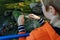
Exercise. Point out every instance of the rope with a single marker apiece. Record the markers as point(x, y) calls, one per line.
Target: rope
point(13, 36)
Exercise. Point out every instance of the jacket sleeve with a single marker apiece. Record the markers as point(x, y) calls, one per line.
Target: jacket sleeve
point(41, 21)
point(21, 30)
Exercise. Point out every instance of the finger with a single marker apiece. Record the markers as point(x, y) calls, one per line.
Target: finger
point(27, 16)
point(31, 15)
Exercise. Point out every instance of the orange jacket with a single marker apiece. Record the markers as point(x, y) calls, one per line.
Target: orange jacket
point(45, 32)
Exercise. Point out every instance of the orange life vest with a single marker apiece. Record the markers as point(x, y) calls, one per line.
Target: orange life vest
point(45, 32)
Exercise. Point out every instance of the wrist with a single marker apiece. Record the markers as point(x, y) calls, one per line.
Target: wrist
point(21, 28)
point(41, 21)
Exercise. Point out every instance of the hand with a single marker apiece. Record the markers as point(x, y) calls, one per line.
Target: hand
point(33, 16)
point(21, 20)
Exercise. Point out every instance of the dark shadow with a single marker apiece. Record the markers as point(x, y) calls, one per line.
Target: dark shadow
point(10, 1)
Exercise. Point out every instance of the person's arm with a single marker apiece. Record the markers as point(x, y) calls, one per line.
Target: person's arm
point(43, 7)
point(41, 22)
point(35, 17)
point(21, 29)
